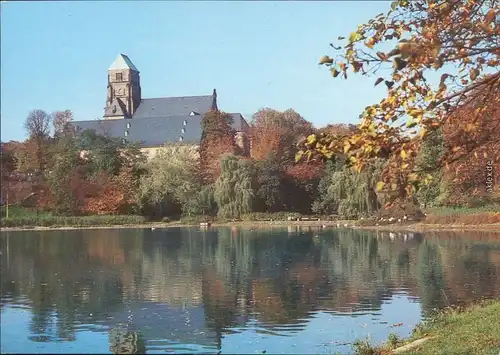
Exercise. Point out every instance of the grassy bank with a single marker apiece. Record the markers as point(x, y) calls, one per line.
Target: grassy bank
point(474, 329)
point(442, 219)
point(466, 216)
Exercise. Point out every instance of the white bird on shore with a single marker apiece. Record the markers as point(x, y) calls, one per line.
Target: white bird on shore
point(153, 228)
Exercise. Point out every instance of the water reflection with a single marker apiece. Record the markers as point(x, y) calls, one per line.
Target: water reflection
point(190, 290)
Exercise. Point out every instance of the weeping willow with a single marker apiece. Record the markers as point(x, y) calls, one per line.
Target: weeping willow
point(233, 189)
point(349, 193)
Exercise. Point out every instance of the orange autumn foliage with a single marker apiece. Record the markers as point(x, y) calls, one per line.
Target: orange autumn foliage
point(306, 171)
point(473, 143)
point(213, 151)
point(109, 195)
point(266, 140)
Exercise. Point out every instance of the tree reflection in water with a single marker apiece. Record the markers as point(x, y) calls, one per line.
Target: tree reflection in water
point(123, 340)
point(194, 286)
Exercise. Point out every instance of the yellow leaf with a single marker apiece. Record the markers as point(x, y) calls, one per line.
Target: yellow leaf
point(354, 36)
point(404, 155)
point(380, 185)
point(404, 166)
point(370, 42)
point(475, 154)
point(298, 155)
point(347, 146)
point(311, 139)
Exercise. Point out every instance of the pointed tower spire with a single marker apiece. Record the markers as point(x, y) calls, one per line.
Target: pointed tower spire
point(123, 62)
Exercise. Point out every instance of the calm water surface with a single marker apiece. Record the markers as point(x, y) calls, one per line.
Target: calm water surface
point(183, 290)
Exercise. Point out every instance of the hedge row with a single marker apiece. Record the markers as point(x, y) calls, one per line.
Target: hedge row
point(73, 221)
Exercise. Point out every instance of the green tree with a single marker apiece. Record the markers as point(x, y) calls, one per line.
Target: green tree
point(270, 174)
point(171, 180)
point(234, 192)
point(62, 176)
point(429, 160)
point(102, 153)
point(347, 192)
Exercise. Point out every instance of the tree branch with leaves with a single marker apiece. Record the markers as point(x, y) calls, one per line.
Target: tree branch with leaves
point(457, 40)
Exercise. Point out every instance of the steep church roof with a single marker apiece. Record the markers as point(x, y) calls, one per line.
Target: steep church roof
point(123, 62)
point(175, 106)
point(155, 131)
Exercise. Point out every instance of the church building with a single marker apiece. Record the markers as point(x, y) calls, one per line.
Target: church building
point(151, 123)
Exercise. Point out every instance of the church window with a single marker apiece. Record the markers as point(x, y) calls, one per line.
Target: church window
point(128, 125)
point(119, 76)
point(126, 133)
point(183, 130)
point(184, 123)
point(181, 139)
point(124, 141)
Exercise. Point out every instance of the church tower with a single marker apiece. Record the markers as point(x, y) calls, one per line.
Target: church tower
point(124, 89)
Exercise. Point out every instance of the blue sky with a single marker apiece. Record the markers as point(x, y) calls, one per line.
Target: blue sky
point(54, 55)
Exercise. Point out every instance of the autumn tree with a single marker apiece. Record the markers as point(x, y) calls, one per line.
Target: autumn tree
point(218, 138)
point(276, 132)
point(37, 125)
point(234, 192)
point(471, 143)
point(337, 129)
point(111, 194)
point(456, 41)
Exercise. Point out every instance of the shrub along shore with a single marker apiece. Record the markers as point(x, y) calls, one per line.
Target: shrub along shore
point(444, 219)
point(472, 329)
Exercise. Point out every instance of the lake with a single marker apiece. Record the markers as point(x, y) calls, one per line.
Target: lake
point(229, 290)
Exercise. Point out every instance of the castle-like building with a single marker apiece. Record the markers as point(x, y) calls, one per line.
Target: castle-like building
point(151, 123)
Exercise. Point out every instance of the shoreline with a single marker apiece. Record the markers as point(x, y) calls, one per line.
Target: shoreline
point(470, 329)
point(413, 227)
